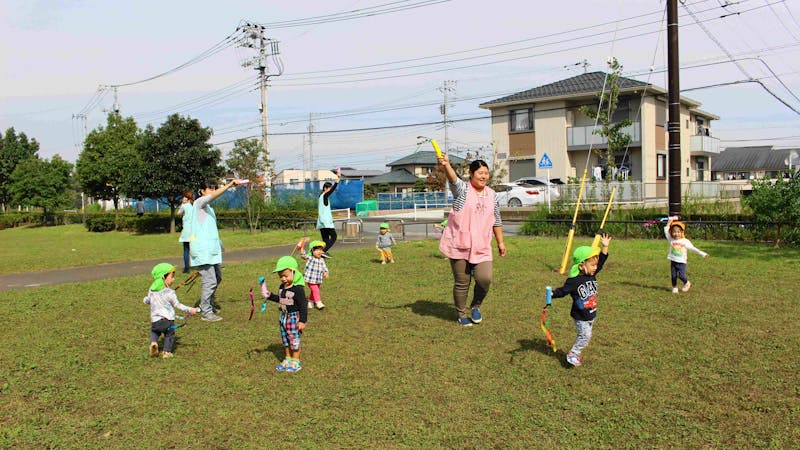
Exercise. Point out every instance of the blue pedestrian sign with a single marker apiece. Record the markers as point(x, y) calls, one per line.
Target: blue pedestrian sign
point(545, 162)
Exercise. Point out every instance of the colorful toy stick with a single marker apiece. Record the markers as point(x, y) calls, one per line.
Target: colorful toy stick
point(545, 320)
point(597, 236)
point(298, 246)
point(184, 317)
point(190, 281)
point(661, 219)
point(436, 148)
point(339, 172)
point(252, 304)
point(571, 235)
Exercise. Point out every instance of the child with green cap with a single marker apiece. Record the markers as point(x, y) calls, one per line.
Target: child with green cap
point(384, 243)
point(163, 301)
point(315, 271)
point(582, 286)
point(291, 297)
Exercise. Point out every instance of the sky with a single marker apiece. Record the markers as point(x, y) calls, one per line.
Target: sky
point(368, 75)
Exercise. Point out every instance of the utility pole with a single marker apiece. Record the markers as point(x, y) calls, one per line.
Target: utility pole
point(447, 87)
point(116, 100)
point(254, 38)
point(311, 144)
point(674, 121)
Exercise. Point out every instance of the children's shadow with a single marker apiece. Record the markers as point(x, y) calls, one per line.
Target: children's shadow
point(646, 286)
point(276, 349)
point(443, 311)
point(541, 346)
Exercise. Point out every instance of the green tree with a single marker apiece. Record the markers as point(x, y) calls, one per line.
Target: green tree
point(603, 112)
point(107, 156)
point(42, 183)
point(172, 159)
point(247, 159)
point(777, 202)
point(14, 149)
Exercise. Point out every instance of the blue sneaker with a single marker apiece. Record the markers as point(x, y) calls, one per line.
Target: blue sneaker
point(574, 359)
point(475, 315)
point(465, 322)
point(283, 366)
point(293, 367)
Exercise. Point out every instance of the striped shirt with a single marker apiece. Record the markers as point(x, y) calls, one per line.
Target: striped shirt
point(459, 189)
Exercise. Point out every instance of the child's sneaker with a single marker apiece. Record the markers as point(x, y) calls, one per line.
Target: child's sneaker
point(383, 261)
point(674, 290)
point(391, 261)
point(320, 305)
point(167, 355)
point(282, 366)
point(294, 366)
point(574, 359)
point(475, 315)
point(153, 349)
point(310, 305)
point(687, 286)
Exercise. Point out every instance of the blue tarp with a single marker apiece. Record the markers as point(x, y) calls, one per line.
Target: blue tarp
point(346, 195)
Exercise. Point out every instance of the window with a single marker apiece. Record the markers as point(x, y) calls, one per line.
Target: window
point(661, 167)
point(700, 167)
point(522, 120)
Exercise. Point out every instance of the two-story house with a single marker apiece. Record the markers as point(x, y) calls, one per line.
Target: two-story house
point(405, 171)
point(547, 119)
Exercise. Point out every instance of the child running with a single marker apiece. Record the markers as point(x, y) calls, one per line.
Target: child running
point(163, 301)
point(678, 252)
point(315, 271)
point(384, 243)
point(582, 286)
point(294, 311)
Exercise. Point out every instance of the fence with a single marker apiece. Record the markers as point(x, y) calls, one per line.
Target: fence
point(408, 200)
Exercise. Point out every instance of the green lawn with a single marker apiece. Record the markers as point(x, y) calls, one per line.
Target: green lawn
point(32, 249)
point(386, 366)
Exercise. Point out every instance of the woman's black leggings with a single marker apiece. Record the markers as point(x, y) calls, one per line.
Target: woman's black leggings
point(328, 236)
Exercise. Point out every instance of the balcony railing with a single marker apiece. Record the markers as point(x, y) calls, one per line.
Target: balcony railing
point(704, 144)
point(577, 136)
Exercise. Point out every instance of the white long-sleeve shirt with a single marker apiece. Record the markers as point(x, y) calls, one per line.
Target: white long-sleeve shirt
point(163, 303)
point(679, 248)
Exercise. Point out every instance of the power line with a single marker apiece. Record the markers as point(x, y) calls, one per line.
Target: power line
point(371, 11)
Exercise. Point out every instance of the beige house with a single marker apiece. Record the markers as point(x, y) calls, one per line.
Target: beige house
point(547, 119)
point(298, 175)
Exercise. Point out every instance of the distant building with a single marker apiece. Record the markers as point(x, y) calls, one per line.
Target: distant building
point(287, 176)
point(405, 171)
point(746, 163)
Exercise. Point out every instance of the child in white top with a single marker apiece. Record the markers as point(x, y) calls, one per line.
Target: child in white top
point(163, 301)
point(678, 252)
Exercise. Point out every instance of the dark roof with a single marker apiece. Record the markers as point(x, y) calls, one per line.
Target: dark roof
point(423, 157)
point(587, 83)
point(751, 158)
point(356, 173)
point(399, 176)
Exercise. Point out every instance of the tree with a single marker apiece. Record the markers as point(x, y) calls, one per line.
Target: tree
point(172, 159)
point(247, 159)
point(617, 139)
point(42, 183)
point(13, 150)
point(107, 156)
point(777, 202)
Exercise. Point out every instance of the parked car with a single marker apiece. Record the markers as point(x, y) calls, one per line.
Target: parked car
point(519, 194)
point(555, 194)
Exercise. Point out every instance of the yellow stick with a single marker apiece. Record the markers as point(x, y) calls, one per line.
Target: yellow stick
point(436, 148)
point(571, 234)
point(596, 241)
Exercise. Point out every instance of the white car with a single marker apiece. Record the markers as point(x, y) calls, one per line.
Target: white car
point(555, 194)
point(519, 194)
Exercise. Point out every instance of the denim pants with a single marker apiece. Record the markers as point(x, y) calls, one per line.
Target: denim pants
point(163, 327)
point(584, 328)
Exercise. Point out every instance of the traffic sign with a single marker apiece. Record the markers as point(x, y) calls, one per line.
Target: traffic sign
point(545, 162)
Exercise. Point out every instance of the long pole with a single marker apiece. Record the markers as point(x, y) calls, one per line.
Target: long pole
point(674, 123)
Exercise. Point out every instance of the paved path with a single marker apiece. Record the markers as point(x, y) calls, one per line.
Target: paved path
point(123, 269)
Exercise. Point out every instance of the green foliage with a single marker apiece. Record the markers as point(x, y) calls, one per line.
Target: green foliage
point(42, 183)
point(13, 150)
point(777, 202)
point(608, 100)
point(292, 202)
point(107, 157)
point(100, 223)
point(247, 159)
point(172, 159)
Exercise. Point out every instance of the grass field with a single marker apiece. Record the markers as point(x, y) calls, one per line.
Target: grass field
point(386, 366)
point(31, 249)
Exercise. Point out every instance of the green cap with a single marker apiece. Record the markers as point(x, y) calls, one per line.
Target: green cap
point(385, 225)
point(159, 272)
point(315, 244)
point(288, 262)
point(580, 255)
